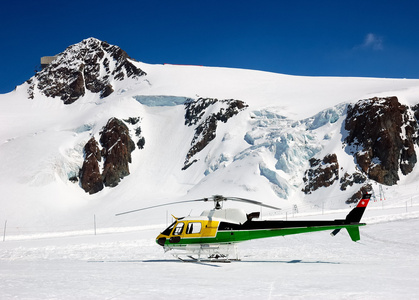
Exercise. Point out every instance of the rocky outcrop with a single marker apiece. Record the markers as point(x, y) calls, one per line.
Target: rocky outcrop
point(141, 139)
point(381, 136)
point(365, 189)
point(89, 65)
point(322, 173)
point(90, 177)
point(350, 179)
point(415, 110)
point(205, 113)
point(117, 147)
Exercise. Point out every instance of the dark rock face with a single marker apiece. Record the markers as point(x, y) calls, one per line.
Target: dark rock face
point(90, 177)
point(141, 139)
point(117, 147)
point(349, 179)
point(89, 65)
point(415, 110)
point(322, 173)
point(381, 136)
point(205, 130)
point(367, 188)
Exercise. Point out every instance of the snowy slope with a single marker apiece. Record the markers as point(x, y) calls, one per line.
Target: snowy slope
point(261, 153)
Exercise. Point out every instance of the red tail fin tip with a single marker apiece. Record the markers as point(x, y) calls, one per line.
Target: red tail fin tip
point(364, 201)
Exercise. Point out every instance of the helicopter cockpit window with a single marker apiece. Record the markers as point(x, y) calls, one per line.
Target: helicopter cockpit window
point(168, 230)
point(179, 228)
point(193, 227)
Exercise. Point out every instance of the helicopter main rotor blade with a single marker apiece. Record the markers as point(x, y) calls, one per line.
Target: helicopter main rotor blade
point(252, 202)
point(159, 205)
point(215, 198)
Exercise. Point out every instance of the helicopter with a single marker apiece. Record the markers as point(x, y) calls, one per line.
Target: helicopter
point(215, 233)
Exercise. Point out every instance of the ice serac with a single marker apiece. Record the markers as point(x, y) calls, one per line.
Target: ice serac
point(89, 65)
point(381, 134)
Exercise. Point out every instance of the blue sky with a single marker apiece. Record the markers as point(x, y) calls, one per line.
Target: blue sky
point(313, 38)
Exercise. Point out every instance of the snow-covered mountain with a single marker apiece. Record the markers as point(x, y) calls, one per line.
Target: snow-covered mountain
point(97, 132)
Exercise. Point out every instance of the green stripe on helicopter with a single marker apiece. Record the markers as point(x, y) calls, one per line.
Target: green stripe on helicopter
point(235, 236)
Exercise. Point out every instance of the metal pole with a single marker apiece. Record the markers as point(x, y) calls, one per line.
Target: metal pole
point(4, 232)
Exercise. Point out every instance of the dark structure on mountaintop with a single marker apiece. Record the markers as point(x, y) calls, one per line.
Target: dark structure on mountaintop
point(46, 60)
point(381, 137)
point(90, 65)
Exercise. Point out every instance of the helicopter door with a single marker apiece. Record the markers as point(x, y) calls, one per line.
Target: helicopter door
point(194, 228)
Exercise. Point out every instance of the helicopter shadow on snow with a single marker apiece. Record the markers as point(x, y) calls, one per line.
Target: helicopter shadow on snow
point(294, 261)
point(217, 264)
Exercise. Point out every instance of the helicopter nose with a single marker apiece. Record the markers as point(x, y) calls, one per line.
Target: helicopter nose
point(161, 241)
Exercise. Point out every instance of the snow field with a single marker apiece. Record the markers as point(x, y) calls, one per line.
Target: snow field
point(130, 265)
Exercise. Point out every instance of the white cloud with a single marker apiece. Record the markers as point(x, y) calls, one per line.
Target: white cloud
point(372, 41)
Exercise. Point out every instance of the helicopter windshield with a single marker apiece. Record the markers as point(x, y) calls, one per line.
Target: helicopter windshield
point(168, 230)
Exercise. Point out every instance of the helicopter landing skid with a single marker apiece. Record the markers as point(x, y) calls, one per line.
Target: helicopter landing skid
point(208, 253)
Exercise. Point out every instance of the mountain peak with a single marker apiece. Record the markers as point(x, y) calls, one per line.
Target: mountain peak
point(91, 65)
